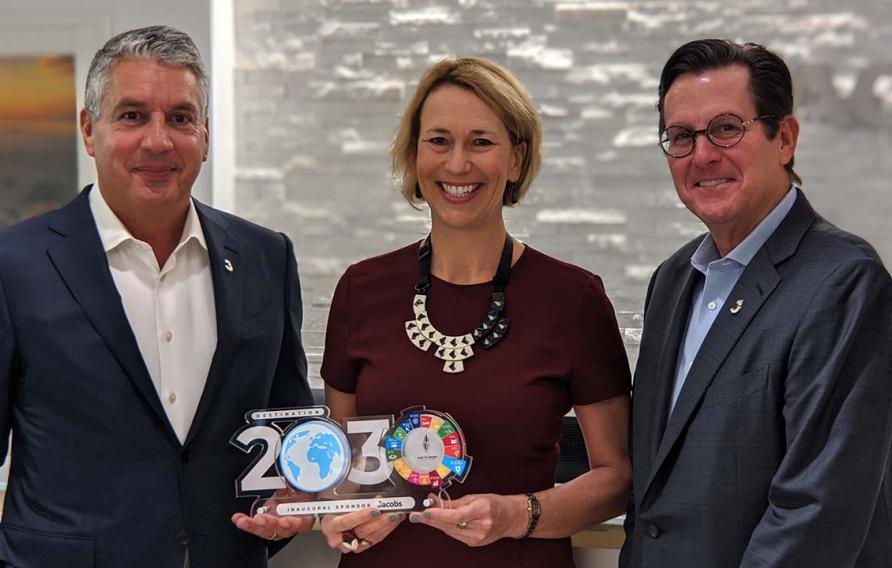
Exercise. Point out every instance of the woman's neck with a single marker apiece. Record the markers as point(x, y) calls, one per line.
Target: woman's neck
point(464, 256)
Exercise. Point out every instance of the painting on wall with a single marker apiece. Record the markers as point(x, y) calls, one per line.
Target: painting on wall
point(38, 129)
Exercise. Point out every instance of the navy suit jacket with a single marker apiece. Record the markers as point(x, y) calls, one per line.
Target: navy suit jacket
point(98, 478)
point(777, 453)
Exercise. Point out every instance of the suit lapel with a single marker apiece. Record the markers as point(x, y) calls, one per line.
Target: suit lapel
point(681, 298)
point(754, 287)
point(228, 276)
point(80, 260)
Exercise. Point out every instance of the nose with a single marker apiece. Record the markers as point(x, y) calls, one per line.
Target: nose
point(457, 162)
point(157, 139)
point(705, 152)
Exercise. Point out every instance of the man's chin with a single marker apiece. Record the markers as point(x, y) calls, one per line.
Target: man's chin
point(158, 195)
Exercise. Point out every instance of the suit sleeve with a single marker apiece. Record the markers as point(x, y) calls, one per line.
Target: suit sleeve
point(629, 524)
point(7, 375)
point(290, 387)
point(838, 421)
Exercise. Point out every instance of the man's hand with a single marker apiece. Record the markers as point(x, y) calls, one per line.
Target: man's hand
point(271, 526)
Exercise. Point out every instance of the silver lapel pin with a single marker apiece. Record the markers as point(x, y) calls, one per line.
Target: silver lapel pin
point(737, 307)
point(228, 265)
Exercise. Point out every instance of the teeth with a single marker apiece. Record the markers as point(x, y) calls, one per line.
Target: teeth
point(712, 182)
point(458, 190)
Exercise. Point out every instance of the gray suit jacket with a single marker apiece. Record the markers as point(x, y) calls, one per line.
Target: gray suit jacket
point(778, 450)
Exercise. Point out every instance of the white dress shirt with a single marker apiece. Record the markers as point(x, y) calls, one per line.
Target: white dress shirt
point(170, 308)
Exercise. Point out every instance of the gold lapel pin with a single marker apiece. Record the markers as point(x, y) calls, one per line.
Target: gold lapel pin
point(737, 307)
point(228, 265)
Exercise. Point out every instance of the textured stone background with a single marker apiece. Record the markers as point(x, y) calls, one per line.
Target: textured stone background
point(320, 85)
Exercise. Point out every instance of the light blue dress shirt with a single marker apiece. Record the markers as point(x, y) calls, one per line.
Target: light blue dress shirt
point(721, 274)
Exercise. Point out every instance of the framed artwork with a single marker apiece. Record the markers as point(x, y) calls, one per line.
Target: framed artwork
point(44, 59)
point(38, 126)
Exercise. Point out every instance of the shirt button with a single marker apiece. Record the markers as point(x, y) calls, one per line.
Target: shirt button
point(168, 336)
point(172, 397)
point(710, 305)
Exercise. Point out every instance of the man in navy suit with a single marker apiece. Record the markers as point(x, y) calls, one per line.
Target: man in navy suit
point(762, 404)
point(137, 326)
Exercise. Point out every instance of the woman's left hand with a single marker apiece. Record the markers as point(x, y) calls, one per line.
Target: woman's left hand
point(478, 520)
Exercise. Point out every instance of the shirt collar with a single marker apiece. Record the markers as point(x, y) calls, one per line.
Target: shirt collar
point(113, 233)
point(743, 253)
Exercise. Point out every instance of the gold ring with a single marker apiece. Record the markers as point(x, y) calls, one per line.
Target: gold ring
point(462, 525)
point(274, 536)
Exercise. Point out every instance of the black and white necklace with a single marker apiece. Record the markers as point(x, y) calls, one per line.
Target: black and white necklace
point(454, 349)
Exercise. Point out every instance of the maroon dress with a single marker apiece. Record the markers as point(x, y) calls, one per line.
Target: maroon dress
point(562, 349)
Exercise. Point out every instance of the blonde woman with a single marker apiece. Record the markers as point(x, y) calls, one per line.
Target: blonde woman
point(468, 145)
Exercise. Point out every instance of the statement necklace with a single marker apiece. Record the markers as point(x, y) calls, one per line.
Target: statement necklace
point(454, 349)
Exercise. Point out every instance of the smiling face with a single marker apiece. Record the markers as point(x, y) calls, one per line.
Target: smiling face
point(465, 157)
point(730, 189)
point(150, 139)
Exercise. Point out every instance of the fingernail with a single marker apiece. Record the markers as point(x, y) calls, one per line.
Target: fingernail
point(427, 514)
point(414, 518)
point(393, 517)
point(376, 513)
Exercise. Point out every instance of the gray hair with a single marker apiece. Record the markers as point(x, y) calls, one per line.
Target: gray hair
point(163, 44)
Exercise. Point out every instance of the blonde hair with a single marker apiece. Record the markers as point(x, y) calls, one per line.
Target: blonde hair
point(500, 91)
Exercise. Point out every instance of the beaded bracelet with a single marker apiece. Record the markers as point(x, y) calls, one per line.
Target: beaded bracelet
point(534, 510)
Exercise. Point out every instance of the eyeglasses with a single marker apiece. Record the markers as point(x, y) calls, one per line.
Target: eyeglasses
point(725, 130)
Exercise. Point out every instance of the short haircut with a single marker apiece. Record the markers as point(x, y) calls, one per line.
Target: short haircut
point(162, 44)
point(770, 83)
point(501, 92)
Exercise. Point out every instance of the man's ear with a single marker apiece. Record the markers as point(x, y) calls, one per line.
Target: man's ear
point(789, 136)
point(87, 131)
point(207, 139)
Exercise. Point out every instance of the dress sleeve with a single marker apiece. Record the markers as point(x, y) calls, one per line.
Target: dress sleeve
point(339, 370)
point(600, 365)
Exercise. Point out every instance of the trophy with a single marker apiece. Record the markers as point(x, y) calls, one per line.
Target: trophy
point(309, 464)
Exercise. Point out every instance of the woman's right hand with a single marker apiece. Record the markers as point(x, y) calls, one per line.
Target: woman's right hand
point(364, 528)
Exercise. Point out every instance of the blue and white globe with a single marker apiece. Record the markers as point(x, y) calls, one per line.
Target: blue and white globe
point(314, 456)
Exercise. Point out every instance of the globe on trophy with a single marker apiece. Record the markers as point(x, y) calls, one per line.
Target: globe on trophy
point(315, 456)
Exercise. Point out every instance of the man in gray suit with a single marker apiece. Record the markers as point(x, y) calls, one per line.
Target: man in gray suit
point(762, 406)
